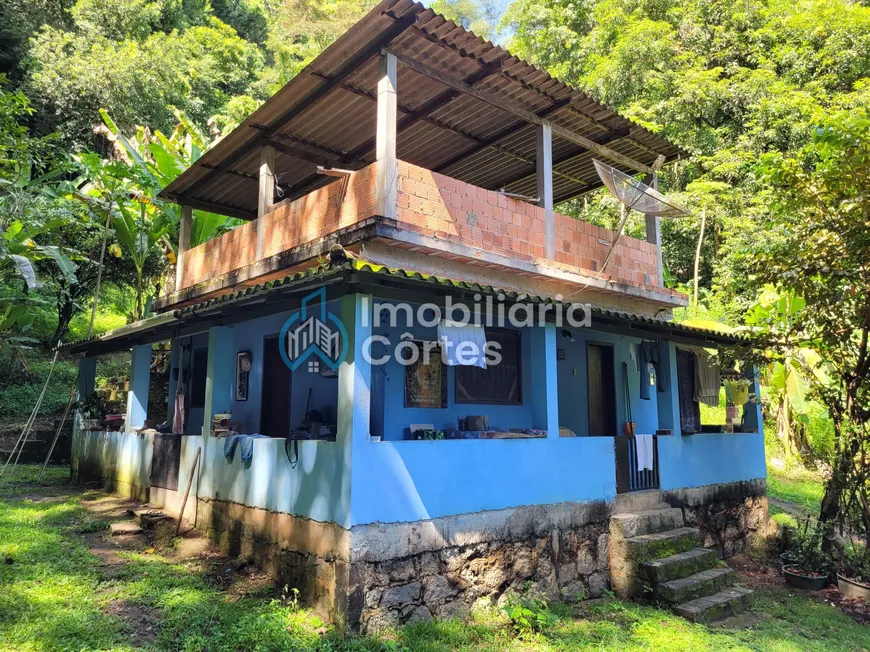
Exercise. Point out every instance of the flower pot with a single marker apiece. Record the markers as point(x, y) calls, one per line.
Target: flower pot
point(786, 558)
point(853, 589)
point(797, 580)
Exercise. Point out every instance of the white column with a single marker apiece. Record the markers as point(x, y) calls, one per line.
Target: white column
point(544, 175)
point(183, 244)
point(387, 167)
point(140, 379)
point(267, 193)
point(654, 235)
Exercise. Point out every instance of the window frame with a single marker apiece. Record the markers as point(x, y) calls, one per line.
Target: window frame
point(518, 336)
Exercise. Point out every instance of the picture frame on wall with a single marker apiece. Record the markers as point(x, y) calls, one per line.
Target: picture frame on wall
point(243, 370)
point(426, 384)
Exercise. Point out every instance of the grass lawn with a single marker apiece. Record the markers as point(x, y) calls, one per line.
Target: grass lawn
point(797, 486)
point(56, 595)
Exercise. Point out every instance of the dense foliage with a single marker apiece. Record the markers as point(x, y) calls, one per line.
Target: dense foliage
point(103, 102)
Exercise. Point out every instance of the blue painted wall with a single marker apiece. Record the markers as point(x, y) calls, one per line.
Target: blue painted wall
point(573, 385)
point(249, 336)
point(389, 382)
point(412, 480)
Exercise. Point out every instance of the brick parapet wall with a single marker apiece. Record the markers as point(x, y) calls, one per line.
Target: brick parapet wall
point(435, 206)
point(441, 207)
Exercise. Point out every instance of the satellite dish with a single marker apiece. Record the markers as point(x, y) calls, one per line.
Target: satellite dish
point(636, 195)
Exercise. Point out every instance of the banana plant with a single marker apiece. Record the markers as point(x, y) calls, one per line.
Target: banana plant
point(790, 368)
point(158, 159)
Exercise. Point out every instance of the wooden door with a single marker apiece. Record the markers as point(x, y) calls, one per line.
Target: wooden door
point(602, 390)
point(275, 407)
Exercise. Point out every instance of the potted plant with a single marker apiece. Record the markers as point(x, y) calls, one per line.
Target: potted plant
point(93, 410)
point(853, 577)
point(811, 566)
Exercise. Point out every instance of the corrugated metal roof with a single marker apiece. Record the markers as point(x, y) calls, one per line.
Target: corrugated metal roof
point(327, 114)
point(360, 272)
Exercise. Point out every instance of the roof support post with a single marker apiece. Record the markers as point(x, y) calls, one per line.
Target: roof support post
point(387, 167)
point(545, 386)
point(183, 244)
point(654, 234)
point(219, 375)
point(140, 379)
point(85, 384)
point(267, 193)
point(544, 176)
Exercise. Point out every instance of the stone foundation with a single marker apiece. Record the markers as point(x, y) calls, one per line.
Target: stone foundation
point(450, 563)
point(732, 517)
point(298, 552)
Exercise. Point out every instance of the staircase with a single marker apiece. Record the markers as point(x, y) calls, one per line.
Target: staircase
point(654, 556)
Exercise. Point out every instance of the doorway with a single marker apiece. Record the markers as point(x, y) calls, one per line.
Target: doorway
point(275, 406)
point(602, 390)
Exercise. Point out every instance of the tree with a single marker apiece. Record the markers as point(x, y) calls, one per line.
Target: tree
point(822, 253)
point(728, 82)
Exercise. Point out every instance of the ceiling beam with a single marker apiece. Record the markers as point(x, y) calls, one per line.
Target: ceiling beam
point(501, 135)
point(603, 140)
point(528, 116)
point(431, 105)
point(213, 207)
point(350, 66)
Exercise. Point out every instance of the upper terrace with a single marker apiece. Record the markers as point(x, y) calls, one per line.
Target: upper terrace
point(420, 124)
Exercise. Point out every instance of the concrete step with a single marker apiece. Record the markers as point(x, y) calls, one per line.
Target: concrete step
point(629, 525)
point(638, 501)
point(699, 585)
point(711, 608)
point(661, 544)
point(125, 528)
point(675, 567)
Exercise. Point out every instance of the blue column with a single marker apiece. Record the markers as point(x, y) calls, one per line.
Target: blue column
point(544, 389)
point(220, 374)
point(668, 401)
point(752, 417)
point(140, 378)
point(85, 383)
point(174, 364)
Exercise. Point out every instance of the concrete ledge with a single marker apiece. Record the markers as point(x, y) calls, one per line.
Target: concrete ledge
point(385, 541)
point(711, 493)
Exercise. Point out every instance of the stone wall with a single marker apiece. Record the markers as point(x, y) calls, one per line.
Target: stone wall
point(298, 552)
point(561, 551)
point(732, 517)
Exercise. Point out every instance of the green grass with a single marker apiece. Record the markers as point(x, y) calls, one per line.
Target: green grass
point(797, 486)
point(56, 596)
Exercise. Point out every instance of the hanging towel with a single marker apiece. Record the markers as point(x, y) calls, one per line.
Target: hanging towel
point(178, 414)
point(245, 444)
point(707, 381)
point(649, 354)
point(690, 413)
point(452, 334)
point(644, 452)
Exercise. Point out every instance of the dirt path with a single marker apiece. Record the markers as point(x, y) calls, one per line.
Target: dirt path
point(791, 508)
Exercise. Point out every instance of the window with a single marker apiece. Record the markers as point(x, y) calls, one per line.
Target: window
point(499, 384)
point(200, 372)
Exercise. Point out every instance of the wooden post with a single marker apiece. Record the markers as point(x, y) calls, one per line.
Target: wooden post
point(387, 167)
point(544, 174)
point(267, 193)
point(183, 244)
point(654, 234)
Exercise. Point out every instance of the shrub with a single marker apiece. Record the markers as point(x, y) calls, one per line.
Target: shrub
point(529, 612)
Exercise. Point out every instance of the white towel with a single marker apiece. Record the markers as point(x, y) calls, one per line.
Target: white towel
point(644, 452)
point(452, 334)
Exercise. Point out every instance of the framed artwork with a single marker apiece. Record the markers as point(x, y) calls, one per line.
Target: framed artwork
point(426, 384)
point(243, 369)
